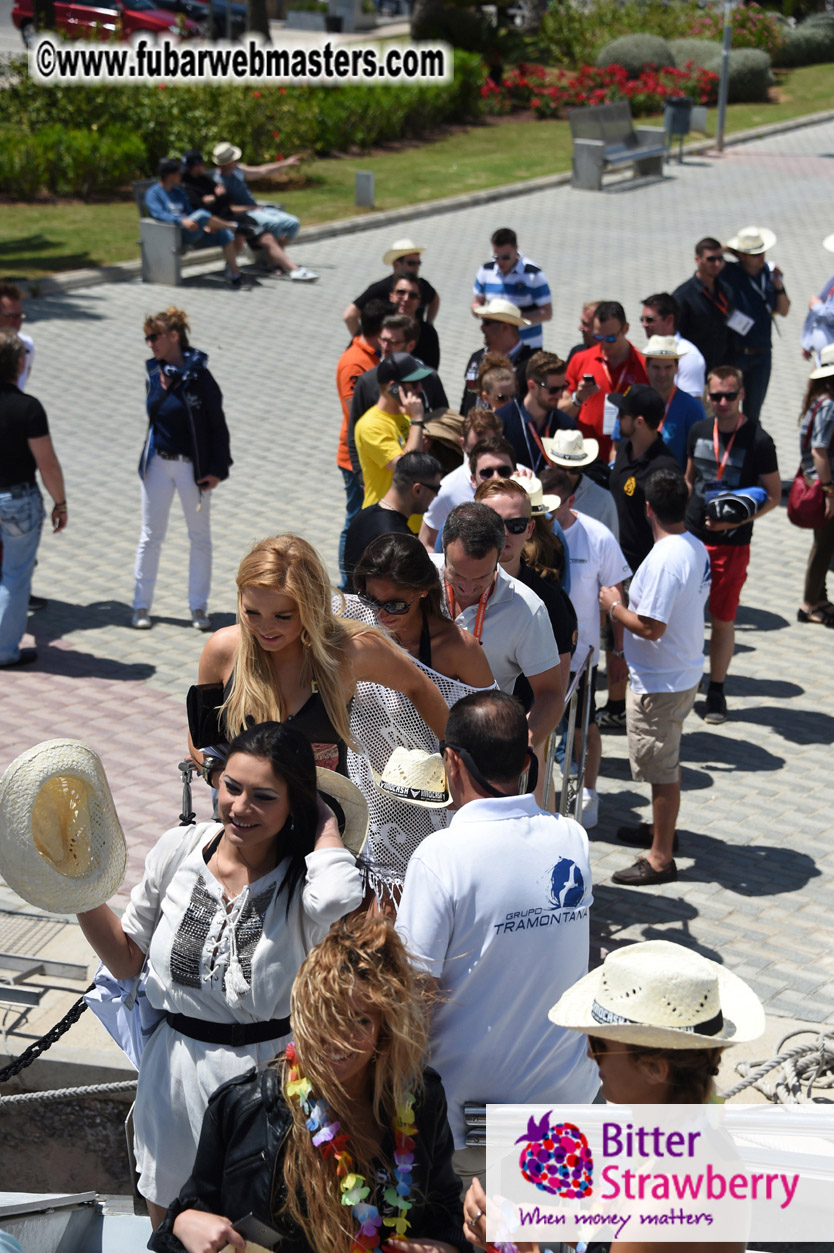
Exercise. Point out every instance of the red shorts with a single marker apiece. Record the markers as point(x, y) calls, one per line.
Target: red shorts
point(728, 568)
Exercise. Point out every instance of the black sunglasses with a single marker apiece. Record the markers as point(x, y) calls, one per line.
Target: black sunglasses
point(431, 487)
point(487, 472)
point(728, 396)
point(515, 526)
point(396, 608)
point(412, 265)
point(153, 337)
point(554, 391)
point(505, 396)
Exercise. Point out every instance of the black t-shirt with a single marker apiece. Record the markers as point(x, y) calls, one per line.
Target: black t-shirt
point(382, 291)
point(473, 365)
point(22, 418)
point(627, 484)
point(562, 619)
point(753, 454)
point(366, 526)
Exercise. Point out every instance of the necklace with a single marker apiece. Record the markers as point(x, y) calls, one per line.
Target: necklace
point(328, 1140)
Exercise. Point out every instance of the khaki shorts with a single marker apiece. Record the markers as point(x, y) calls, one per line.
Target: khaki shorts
point(654, 723)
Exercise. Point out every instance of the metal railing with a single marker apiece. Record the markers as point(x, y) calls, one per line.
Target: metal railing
point(571, 702)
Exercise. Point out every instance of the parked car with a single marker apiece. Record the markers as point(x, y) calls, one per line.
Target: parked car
point(198, 10)
point(212, 17)
point(105, 19)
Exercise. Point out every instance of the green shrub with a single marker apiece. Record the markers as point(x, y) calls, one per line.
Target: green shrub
point(750, 75)
point(21, 172)
point(698, 51)
point(810, 43)
point(634, 52)
point(752, 27)
point(574, 34)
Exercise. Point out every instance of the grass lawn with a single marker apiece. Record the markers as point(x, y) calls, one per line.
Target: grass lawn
point(38, 240)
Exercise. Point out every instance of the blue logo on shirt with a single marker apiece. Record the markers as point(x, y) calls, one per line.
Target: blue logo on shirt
point(567, 886)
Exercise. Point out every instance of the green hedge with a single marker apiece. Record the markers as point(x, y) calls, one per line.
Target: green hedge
point(809, 43)
point(634, 53)
point(699, 51)
point(69, 162)
point(750, 72)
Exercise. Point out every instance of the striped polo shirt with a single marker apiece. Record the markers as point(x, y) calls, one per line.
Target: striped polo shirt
point(525, 285)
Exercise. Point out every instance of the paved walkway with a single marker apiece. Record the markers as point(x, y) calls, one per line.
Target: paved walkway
point(755, 867)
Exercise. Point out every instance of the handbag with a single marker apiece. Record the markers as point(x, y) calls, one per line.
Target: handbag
point(806, 501)
point(202, 706)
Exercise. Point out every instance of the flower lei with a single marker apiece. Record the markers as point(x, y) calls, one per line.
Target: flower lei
point(327, 1138)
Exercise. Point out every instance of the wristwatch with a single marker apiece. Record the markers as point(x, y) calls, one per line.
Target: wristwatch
point(576, 400)
point(208, 766)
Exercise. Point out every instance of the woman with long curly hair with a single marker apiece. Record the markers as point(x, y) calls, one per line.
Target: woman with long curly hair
point(343, 1141)
point(816, 448)
point(290, 658)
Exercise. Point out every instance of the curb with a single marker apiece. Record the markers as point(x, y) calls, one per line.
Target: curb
point(74, 280)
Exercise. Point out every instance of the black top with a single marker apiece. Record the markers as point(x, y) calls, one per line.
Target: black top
point(428, 346)
point(627, 484)
point(753, 454)
point(520, 429)
point(562, 619)
point(366, 394)
point(757, 297)
point(382, 291)
point(473, 365)
point(366, 526)
point(703, 319)
point(22, 418)
point(238, 1167)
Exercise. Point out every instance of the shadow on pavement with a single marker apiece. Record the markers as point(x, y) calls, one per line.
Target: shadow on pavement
point(69, 306)
point(777, 689)
point(746, 869)
point(64, 660)
point(760, 619)
point(722, 754)
point(801, 726)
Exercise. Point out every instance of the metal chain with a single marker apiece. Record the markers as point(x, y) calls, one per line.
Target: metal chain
point(67, 1094)
point(46, 1041)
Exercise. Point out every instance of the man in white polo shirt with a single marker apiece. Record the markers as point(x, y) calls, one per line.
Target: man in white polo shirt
point(509, 620)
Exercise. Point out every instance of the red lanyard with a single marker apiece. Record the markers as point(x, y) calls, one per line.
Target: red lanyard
point(532, 429)
point(478, 628)
point(666, 413)
point(719, 300)
point(623, 372)
point(721, 466)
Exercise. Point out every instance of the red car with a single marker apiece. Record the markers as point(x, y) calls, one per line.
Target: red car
point(104, 19)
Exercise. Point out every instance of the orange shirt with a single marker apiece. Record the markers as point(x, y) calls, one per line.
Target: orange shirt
point(355, 360)
point(592, 419)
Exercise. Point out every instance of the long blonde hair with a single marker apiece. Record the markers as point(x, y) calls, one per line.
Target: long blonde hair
point(288, 564)
point(364, 957)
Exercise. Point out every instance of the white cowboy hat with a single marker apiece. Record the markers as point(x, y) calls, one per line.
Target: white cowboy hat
point(661, 995)
point(500, 310)
point(665, 346)
point(825, 368)
point(415, 777)
point(828, 243)
point(342, 795)
point(225, 153)
point(61, 845)
point(539, 503)
point(752, 240)
point(570, 449)
point(401, 248)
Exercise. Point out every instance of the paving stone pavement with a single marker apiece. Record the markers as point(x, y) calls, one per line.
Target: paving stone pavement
point(755, 867)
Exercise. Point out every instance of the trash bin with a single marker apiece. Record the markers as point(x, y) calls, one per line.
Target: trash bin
point(677, 119)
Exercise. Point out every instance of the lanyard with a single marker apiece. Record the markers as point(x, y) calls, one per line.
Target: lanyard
point(719, 299)
point(478, 628)
point(542, 454)
point(666, 413)
point(720, 467)
point(622, 374)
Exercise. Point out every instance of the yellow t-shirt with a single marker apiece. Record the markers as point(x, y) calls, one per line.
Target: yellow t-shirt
point(380, 437)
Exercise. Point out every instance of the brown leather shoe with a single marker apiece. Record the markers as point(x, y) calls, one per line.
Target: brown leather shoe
point(642, 873)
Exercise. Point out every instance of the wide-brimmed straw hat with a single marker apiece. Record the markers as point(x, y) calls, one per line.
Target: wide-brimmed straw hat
point(500, 310)
point(416, 777)
point(826, 364)
point(61, 845)
point(401, 248)
point(828, 243)
point(661, 995)
point(752, 240)
point(539, 503)
point(349, 806)
point(664, 347)
point(446, 427)
point(570, 449)
point(224, 153)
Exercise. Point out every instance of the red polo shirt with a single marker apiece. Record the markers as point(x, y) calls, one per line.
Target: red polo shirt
point(592, 419)
point(354, 361)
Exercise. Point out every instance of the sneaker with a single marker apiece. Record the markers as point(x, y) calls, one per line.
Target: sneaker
point(200, 620)
point(642, 874)
point(235, 281)
point(716, 710)
point(609, 721)
point(141, 620)
point(641, 837)
point(303, 275)
point(37, 602)
point(590, 808)
point(25, 657)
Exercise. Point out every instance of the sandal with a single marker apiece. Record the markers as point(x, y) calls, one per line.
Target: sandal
point(821, 615)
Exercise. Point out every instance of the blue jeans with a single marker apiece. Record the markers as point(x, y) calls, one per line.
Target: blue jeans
point(205, 238)
point(279, 224)
point(355, 495)
point(21, 521)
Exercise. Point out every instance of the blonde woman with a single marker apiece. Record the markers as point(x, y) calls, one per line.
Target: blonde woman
point(290, 659)
point(345, 1138)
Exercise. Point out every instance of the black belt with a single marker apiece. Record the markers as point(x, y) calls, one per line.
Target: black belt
point(19, 489)
point(172, 456)
point(235, 1034)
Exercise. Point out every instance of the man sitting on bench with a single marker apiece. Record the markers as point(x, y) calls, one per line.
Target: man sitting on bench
point(167, 202)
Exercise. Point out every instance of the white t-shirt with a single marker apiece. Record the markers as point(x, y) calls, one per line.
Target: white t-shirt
point(671, 586)
point(692, 369)
point(597, 502)
point(517, 637)
point(496, 908)
point(596, 560)
point(455, 489)
point(29, 345)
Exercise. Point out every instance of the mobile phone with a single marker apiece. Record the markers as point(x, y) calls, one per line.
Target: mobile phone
point(587, 378)
point(251, 1228)
point(394, 389)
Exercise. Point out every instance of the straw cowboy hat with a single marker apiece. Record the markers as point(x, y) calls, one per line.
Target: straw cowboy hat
point(570, 449)
point(500, 310)
point(828, 243)
point(225, 153)
point(401, 248)
point(752, 239)
point(539, 503)
point(664, 347)
point(826, 364)
point(61, 845)
point(661, 995)
point(445, 426)
point(349, 806)
point(415, 777)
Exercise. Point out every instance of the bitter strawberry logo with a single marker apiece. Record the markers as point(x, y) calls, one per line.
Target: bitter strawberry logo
point(557, 1158)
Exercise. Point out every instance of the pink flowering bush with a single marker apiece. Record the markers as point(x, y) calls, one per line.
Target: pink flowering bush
point(753, 27)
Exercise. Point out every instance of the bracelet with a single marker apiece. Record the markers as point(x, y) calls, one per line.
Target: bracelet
point(576, 401)
point(418, 422)
point(60, 504)
point(618, 652)
point(827, 489)
point(611, 610)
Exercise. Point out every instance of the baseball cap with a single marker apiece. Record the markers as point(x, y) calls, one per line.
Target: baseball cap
point(640, 402)
point(401, 367)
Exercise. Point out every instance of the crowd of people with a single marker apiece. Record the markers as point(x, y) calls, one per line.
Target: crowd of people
point(382, 886)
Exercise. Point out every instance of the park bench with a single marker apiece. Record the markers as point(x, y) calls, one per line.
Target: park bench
point(605, 136)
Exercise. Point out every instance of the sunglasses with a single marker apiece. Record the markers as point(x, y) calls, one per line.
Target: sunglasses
point(396, 608)
point(515, 526)
point(503, 471)
point(716, 397)
point(497, 256)
point(554, 391)
point(505, 396)
point(406, 295)
point(431, 487)
point(153, 337)
point(648, 321)
point(606, 339)
point(716, 260)
point(412, 265)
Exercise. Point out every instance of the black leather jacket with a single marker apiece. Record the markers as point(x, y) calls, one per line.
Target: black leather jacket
point(238, 1165)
